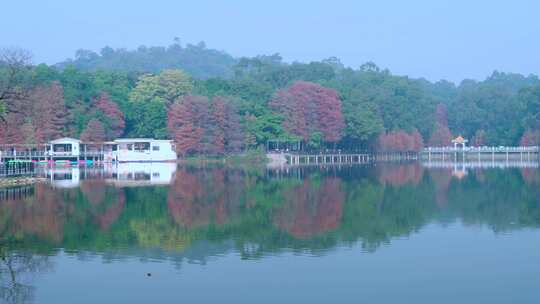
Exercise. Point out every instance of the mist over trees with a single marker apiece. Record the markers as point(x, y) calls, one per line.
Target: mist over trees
point(156, 92)
point(197, 60)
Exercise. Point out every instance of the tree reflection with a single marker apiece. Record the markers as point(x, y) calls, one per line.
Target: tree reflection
point(263, 212)
point(311, 208)
point(107, 202)
point(42, 214)
point(204, 197)
point(441, 178)
point(17, 269)
point(400, 174)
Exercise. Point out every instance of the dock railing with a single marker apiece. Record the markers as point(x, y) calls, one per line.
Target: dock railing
point(501, 149)
point(17, 169)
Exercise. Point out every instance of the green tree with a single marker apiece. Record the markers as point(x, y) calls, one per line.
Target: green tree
point(147, 119)
point(361, 123)
point(530, 97)
point(165, 87)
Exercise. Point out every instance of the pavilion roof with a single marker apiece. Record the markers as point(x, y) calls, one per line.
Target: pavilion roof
point(459, 140)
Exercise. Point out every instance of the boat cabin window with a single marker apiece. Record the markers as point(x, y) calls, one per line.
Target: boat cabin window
point(141, 176)
point(62, 176)
point(142, 146)
point(155, 148)
point(125, 147)
point(62, 147)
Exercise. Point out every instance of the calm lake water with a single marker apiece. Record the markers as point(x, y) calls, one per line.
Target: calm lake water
point(384, 233)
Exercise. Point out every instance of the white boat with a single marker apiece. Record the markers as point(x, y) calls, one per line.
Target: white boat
point(64, 147)
point(142, 150)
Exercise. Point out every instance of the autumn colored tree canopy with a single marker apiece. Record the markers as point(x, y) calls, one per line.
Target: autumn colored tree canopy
point(94, 132)
point(309, 108)
point(441, 136)
point(243, 105)
point(112, 116)
point(208, 127)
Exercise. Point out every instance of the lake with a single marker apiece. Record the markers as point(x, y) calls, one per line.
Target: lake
point(377, 233)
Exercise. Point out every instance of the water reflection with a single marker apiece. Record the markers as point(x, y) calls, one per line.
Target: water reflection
point(17, 269)
point(178, 214)
point(121, 175)
point(227, 203)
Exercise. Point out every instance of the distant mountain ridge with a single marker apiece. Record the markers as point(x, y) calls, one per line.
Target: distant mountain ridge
point(199, 61)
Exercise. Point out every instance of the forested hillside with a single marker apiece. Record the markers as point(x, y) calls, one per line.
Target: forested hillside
point(216, 104)
point(197, 60)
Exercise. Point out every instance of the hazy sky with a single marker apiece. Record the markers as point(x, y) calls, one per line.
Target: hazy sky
point(432, 38)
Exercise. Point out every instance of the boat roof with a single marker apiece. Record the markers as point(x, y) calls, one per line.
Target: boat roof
point(131, 140)
point(65, 139)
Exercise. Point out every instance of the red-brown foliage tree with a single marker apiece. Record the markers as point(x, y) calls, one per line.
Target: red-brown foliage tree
point(114, 118)
point(530, 138)
point(94, 131)
point(441, 136)
point(198, 126)
point(49, 112)
point(185, 123)
point(42, 113)
point(220, 120)
point(308, 108)
point(11, 133)
point(400, 141)
point(228, 121)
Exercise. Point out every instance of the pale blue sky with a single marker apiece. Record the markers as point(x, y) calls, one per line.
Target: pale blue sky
point(422, 38)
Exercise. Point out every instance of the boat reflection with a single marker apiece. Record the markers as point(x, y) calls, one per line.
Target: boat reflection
point(140, 174)
point(63, 177)
point(120, 175)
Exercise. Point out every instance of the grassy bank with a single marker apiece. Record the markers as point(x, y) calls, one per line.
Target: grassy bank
point(249, 158)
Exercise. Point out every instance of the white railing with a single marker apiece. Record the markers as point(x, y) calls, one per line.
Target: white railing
point(480, 164)
point(42, 154)
point(501, 149)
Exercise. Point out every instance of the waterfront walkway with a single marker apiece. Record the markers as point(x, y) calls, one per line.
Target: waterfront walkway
point(480, 153)
point(308, 159)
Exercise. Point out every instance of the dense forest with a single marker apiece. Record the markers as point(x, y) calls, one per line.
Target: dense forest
point(212, 103)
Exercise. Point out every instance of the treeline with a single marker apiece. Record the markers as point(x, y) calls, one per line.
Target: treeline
point(322, 104)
